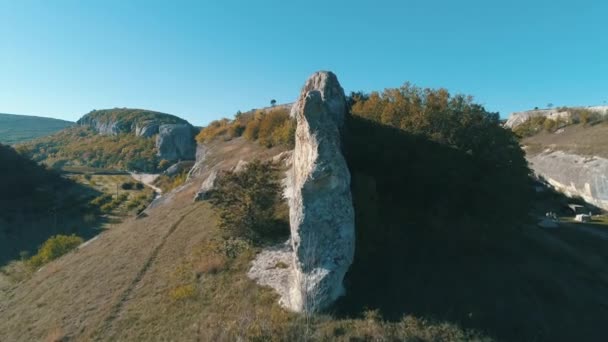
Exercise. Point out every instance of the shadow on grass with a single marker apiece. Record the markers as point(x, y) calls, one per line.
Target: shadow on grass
point(439, 236)
point(38, 203)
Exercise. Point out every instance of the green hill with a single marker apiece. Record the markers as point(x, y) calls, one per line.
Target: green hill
point(119, 138)
point(20, 128)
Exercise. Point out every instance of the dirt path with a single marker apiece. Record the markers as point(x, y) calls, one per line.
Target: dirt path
point(148, 179)
point(123, 298)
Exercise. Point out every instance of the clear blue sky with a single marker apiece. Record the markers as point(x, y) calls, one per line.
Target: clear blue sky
point(206, 59)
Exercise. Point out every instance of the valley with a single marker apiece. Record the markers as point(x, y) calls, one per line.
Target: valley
point(447, 248)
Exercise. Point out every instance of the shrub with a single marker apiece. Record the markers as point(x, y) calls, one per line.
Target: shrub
point(101, 200)
point(213, 130)
point(248, 202)
point(53, 248)
point(163, 165)
point(213, 263)
point(168, 183)
point(126, 186)
point(251, 130)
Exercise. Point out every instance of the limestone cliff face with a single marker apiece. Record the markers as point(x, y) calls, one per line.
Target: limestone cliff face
point(574, 175)
point(175, 142)
point(320, 203)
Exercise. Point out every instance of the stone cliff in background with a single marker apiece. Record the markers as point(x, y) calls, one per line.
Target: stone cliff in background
point(518, 118)
point(174, 136)
point(322, 243)
point(574, 175)
point(175, 142)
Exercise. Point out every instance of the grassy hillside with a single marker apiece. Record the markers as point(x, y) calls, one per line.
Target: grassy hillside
point(581, 139)
point(16, 129)
point(173, 276)
point(444, 249)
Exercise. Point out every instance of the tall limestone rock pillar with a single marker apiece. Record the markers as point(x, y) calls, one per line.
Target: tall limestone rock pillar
point(318, 190)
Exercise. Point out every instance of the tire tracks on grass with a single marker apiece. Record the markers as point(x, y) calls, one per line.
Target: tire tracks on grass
point(123, 298)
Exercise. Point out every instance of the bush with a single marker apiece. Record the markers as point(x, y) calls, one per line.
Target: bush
point(272, 128)
point(101, 200)
point(127, 186)
point(53, 248)
point(249, 202)
point(167, 183)
point(163, 165)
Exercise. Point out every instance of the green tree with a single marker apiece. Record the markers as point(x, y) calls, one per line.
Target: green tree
point(248, 202)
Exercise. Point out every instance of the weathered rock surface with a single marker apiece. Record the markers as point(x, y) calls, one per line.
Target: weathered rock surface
point(206, 187)
point(146, 129)
point(574, 175)
point(320, 204)
point(179, 167)
point(322, 243)
point(175, 142)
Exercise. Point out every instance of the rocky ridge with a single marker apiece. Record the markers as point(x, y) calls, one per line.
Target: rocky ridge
point(518, 118)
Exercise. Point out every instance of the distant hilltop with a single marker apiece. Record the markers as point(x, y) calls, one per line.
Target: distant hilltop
point(142, 122)
point(16, 129)
point(518, 118)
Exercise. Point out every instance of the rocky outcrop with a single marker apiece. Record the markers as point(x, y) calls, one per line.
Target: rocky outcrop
point(322, 243)
point(518, 118)
point(206, 187)
point(574, 175)
point(174, 136)
point(320, 204)
point(175, 142)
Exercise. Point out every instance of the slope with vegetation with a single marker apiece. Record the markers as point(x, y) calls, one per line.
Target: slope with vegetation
point(123, 139)
point(441, 193)
point(16, 129)
point(269, 127)
point(83, 146)
point(37, 203)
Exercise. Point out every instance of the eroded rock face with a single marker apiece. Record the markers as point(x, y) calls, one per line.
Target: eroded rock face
point(146, 129)
point(320, 203)
point(175, 142)
point(574, 175)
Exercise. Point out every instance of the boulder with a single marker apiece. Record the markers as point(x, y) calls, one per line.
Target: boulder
point(240, 166)
point(179, 167)
point(320, 204)
point(175, 142)
point(206, 187)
